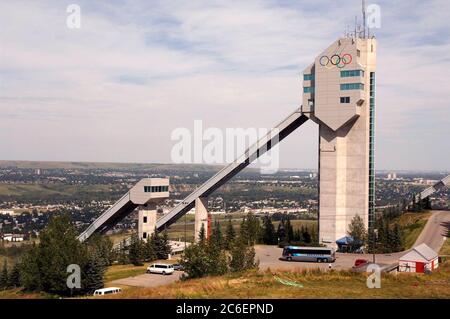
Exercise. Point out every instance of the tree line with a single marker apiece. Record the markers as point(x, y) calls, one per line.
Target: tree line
point(285, 233)
point(138, 251)
point(221, 253)
point(44, 266)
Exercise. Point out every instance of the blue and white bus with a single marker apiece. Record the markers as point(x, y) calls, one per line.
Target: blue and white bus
point(312, 254)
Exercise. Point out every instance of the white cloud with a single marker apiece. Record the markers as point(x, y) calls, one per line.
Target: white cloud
point(115, 89)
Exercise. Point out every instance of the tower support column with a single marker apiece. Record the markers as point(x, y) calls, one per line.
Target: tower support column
point(146, 221)
point(201, 216)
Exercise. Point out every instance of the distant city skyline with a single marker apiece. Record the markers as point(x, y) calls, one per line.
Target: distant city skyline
point(115, 89)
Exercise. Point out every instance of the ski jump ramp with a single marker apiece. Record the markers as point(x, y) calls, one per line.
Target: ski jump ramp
point(137, 196)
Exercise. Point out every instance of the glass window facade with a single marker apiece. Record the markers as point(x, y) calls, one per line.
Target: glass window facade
point(372, 152)
point(352, 86)
point(156, 189)
point(308, 89)
point(345, 99)
point(350, 73)
point(308, 77)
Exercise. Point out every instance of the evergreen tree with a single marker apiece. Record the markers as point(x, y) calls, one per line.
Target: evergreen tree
point(253, 228)
point(269, 236)
point(163, 249)
point(195, 261)
point(404, 206)
point(29, 269)
point(216, 258)
point(427, 203)
point(4, 276)
point(230, 234)
point(297, 235)
point(357, 231)
point(306, 236)
point(58, 248)
point(281, 232)
point(216, 236)
point(202, 234)
point(419, 203)
point(101, 246)
point(397, 239)
point(93, 274)
point(14, 277)
point(150, 249)
point(242, 255)
point(244, 232)
point(289, 231)
point(123, 253)
point(135, 251)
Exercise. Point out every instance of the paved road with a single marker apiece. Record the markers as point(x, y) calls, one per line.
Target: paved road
point(435, 230)
point(268, 256)
point(432, 235)
point(148, 280)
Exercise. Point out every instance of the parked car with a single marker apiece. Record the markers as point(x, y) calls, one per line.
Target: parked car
point(107, 291)
point(178, 267)
point(163, 269)
point(360, 262)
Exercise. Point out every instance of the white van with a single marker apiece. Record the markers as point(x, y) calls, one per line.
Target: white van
point(164, 269)
point(107, 291)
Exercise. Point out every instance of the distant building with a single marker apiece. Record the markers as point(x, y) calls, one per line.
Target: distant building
point(177, 247)
point(219, 212)
point(13, 237)
point(7, 212)
point(419, 260)
point(392, 176)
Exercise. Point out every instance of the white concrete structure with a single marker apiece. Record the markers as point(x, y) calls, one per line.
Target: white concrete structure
point(147, 221)
point(339, 95)
point(419, 260)
point(201, 217)
point(146, 191)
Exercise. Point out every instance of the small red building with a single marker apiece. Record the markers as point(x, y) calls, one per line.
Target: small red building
point(419, 259)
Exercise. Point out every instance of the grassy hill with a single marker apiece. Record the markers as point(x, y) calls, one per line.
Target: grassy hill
point(412, 225)
point(105, 165)
point(307, 284)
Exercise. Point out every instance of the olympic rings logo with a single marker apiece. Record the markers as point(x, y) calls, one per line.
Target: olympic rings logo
point(335, 60)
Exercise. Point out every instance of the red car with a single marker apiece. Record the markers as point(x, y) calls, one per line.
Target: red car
point(360, 262)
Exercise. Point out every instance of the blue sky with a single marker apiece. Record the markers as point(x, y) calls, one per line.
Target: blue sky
point(116, 88)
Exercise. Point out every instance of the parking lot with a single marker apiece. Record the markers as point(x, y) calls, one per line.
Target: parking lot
point(148, 280)
point(268, 257)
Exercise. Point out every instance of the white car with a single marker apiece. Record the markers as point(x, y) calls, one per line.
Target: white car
point(163, 269)
point(107, 291)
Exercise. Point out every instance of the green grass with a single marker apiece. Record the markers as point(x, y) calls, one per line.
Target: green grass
point(445, 249)
point(316, 284)
point(50, 191)
point(116, 272)
point(412, 225)
point(106, 165)
point(123, 271)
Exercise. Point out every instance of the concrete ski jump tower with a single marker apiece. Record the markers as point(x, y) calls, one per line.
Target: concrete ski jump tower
point(339, 95)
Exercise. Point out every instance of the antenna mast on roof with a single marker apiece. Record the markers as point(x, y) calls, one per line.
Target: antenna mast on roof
point(364, 17)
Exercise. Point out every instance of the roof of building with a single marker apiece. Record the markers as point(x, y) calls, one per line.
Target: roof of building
point(346, 240)
point(420, 253)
